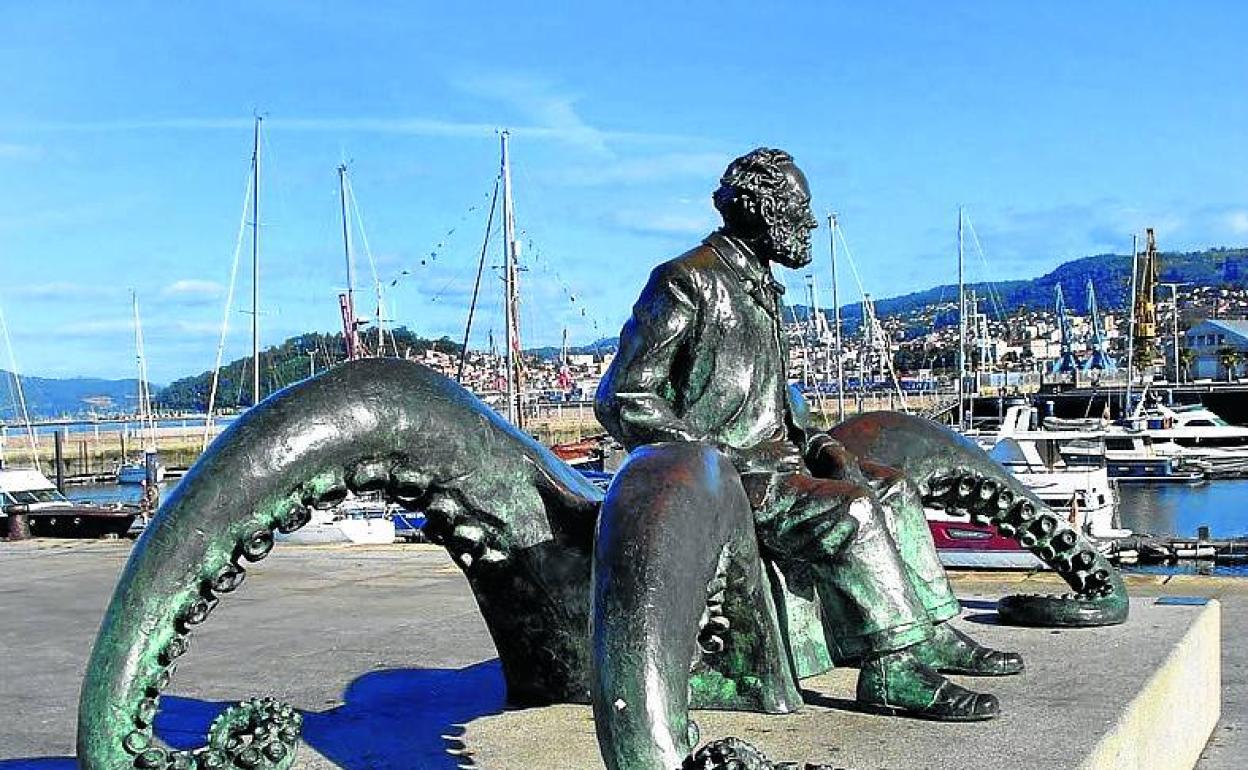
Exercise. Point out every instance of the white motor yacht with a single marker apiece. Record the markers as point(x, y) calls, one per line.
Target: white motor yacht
point(1193, 434)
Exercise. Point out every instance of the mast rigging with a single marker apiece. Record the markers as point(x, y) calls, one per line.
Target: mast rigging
point(255, 267)
point(511, 248)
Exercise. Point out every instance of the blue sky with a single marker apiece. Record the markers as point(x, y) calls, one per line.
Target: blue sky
point(125, 136)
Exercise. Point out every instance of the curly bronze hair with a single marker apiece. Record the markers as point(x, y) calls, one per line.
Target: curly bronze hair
point(758, 176)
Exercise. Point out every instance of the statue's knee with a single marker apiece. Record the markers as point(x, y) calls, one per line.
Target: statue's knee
point(693, 461)
point(678, 480)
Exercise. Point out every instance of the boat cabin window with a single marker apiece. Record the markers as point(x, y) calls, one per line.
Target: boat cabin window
point(1119, 443)
point(34, 496)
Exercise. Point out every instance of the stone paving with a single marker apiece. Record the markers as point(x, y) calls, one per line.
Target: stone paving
point(381, 646)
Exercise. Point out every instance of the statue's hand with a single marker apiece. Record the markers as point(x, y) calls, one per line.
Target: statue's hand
point(779, 456)
point(829, 459)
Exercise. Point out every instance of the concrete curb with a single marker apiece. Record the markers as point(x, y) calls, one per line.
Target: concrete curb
point(1167, 724)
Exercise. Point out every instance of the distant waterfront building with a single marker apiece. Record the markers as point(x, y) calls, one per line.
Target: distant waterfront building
point(1210, 341)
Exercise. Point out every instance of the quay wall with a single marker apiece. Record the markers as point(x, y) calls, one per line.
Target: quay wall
point(98, 452)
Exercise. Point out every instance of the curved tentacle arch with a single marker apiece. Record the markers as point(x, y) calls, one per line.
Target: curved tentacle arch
point(507, 510)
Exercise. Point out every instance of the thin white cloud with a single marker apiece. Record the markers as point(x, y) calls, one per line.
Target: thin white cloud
point(191, 287)
point(412, 125)
point(683, 218)
point(60, 290)
point(197, 328)
point(97, 327)
point(545, 111)
point(540, 101)
point(1237, 221)
point(20, 151)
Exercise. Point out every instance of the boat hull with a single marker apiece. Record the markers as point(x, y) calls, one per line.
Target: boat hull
point(77, 522)
point(963, 544)
point(323, 530)
point(1160, 470)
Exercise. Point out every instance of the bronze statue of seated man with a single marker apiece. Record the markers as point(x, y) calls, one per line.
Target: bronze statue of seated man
point(704, 358)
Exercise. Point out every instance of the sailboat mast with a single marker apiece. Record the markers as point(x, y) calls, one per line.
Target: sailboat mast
point(21, 395)
point(514, 411)
point(961, 330)
point(138, 359)
point(836, 321)
point(1174, 341)
point(255, 267)
point(349, 310)
point(1135, 253)
point(147, 424)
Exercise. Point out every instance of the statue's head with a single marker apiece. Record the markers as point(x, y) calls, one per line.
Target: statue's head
point(764, 199)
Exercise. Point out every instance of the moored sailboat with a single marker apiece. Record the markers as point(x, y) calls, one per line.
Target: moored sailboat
point(148, 469)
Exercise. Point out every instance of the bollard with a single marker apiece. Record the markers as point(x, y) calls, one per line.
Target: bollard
point(58, 442)
point(19, 526)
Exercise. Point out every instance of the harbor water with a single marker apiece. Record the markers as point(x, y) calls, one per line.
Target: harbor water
point(73, 428)
point(1180, 510)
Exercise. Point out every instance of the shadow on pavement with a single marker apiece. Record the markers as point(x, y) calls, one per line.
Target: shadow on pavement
point(394, 718)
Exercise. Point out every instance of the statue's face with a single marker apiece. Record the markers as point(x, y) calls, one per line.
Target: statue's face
point(789, 222)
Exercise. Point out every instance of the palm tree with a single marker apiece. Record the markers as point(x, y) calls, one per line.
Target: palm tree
point(1187, 357)
point(1227, 358)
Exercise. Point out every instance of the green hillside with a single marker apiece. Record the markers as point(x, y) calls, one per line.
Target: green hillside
point(1110, 274)
point(280, 366)
point(50, 398)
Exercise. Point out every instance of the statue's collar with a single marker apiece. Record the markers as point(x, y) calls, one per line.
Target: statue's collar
point(742, 262)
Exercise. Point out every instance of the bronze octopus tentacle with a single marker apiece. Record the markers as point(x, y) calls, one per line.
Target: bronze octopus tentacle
point(505, 508)
point(951, 472)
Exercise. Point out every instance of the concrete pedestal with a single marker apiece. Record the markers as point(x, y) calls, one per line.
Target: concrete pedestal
point(1142, 695)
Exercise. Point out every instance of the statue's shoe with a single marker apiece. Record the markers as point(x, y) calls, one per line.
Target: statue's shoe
point(950, 651)
point(899, 683)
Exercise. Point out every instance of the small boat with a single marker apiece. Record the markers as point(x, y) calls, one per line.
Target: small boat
point(1133, 458)
point(1195, 435)
point(409, 526)
point(355, 521)
point(50, 514)
point(136, 472)
point(585, 454)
